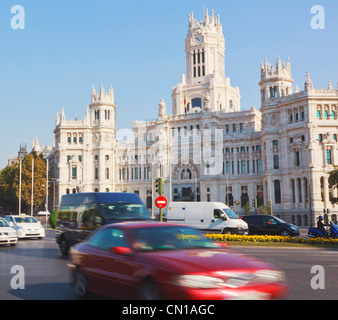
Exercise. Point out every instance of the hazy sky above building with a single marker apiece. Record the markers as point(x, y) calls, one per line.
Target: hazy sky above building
point(138, 47)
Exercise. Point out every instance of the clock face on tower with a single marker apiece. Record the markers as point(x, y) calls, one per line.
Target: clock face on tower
point(198, 39)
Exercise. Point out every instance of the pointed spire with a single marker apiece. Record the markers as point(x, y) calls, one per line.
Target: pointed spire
point(63, 116)
point(36, 141)
point(288, 65)
point(308, 83)
point(86, 117)
point(278, 64)
point(57, 120)
point(206, 20)
point(101, 91)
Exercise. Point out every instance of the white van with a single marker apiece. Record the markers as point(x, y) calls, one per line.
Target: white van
point(207, 216)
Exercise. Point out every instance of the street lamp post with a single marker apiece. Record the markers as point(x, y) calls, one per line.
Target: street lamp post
point(307, 145)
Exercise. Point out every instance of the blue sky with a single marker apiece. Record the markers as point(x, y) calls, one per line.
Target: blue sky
point(138, 47)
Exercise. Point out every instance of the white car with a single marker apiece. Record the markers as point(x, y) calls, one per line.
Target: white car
point(8, 234)
point(26, 226)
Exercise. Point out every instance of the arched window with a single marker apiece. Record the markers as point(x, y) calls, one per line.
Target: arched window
point(196, 103)
point(325, 114)
point(319, 115)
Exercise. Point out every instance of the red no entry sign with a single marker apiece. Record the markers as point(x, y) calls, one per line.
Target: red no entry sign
point(161, 202)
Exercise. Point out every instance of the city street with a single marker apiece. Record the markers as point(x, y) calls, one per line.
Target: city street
point(47, 277)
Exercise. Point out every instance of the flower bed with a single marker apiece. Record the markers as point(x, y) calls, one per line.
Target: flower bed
point(268, 239)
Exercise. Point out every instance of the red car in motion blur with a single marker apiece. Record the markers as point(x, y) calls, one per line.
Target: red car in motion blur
point(155, 260)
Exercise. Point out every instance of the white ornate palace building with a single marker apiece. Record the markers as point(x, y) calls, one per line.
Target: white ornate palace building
point(207, 149)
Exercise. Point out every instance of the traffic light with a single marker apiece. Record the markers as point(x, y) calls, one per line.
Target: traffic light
point(254, 203)
point(159, 186)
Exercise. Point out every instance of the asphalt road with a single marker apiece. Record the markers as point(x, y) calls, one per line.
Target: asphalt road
point(46, 275)
point(297, 263)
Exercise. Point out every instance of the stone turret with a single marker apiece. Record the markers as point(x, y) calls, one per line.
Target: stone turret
point(276, 81)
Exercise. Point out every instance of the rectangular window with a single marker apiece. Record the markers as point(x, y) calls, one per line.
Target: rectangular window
point(275, 162)
point(297, 158)
point(328, 157)
point(243, 167)
point(228, 167)
point(74, 173)
point(277, 191)
point(259, 166)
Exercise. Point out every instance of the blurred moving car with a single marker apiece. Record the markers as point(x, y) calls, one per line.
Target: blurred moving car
point(270, 225)
point(8, 235)
point(81, 213)
point(26, 226)
point(155, 260)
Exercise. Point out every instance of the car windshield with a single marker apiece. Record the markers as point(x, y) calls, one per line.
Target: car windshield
point(279, 220)
point(149, 239)
point(25, 220)
point(123, 211)
point(230, 213)
point(3, 223)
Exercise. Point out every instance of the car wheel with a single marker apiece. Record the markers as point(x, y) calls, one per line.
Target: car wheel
point(285, 233)
point(64, 247)
point(148, 291)
point(227, 231)
point(80, 284)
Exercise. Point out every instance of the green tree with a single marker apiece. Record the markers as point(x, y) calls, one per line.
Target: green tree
point(268, 210)
point(8, 182)
point(247, 208)
point(333, 181)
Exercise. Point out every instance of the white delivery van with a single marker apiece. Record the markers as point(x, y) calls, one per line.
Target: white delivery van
point(207, 216)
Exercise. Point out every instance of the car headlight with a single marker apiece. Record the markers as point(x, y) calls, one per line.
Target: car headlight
point(294, 228)
point(197, 281)
point(269, 276)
